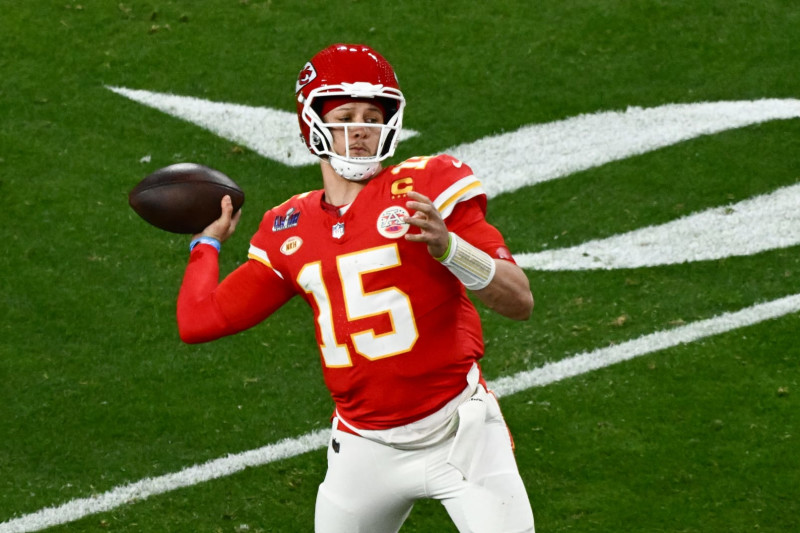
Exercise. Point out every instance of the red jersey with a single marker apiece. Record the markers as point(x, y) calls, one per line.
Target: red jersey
point(396, 331)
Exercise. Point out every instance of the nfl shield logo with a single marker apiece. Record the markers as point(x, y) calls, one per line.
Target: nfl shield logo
point(338, 230)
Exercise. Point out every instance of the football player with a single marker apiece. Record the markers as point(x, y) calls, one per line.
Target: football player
point(384, 257)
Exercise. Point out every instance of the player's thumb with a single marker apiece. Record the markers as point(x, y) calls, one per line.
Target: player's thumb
point(228, 219)
point(227, 206)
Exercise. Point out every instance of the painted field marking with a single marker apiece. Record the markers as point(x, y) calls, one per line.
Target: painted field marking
point(291, 447)
point(758, 224)
point(653, 342)
point(505, 162)
point(271, 133)
point(542, 152)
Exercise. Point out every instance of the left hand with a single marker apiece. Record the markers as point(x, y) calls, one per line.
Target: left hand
point(432, 229)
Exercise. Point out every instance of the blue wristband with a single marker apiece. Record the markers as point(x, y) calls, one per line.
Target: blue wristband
point(205, 240)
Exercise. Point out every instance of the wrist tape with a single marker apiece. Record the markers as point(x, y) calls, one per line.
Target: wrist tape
point(472, 266)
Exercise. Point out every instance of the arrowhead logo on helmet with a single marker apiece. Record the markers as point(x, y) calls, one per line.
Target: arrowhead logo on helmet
point(307, 75)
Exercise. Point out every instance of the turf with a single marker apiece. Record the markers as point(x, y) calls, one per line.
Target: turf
point(98, 390)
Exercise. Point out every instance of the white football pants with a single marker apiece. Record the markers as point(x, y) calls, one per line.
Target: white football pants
point(371, 487)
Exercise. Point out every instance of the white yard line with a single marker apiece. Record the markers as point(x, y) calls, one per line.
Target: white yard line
point(542, 152)
point(758, 224)
point(660, 340)
point(284, 449)
point(271, 133)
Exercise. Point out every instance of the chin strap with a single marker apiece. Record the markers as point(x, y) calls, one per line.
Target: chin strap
point(472, 266)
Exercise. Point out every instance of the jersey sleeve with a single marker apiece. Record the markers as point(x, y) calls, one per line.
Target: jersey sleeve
point(451, 182)
point(208, 310)
point(459, 197)
point(468, 221)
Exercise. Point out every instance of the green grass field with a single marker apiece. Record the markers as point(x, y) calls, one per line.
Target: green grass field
point(98, 391)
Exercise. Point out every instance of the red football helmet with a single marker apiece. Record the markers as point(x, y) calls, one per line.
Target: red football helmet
point(354, 71)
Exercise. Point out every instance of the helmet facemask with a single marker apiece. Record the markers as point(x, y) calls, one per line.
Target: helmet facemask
point(321, 136)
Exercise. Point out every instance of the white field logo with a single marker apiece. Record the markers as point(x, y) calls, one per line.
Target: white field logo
point(538, 153)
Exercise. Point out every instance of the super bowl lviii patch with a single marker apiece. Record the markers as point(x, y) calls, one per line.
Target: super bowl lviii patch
point(289, 220)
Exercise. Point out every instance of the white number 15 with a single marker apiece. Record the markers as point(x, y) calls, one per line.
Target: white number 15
point(361, 304)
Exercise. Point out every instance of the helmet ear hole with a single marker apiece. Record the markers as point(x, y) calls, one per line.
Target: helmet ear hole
point(316, 142)
point(321, 139)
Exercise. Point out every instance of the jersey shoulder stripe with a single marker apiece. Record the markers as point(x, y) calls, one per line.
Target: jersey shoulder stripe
point(261, 256)
point(464, 189)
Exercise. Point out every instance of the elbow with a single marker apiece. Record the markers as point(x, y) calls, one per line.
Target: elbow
point(186, 333)
point(192, 332)
point(517, 307)
point(187, 339)
point(194, 326)
point(524, 308)
point(512, 296)
point(188, 336)
point(195, 329)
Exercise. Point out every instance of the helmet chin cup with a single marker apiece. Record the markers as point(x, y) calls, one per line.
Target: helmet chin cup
point(354, 170)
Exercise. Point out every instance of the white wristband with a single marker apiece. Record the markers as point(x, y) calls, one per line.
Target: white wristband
point(472, 266)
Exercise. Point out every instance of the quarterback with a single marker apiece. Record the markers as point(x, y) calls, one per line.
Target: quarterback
point(384, 256)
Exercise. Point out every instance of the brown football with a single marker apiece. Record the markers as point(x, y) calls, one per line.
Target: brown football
point(184, 198)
